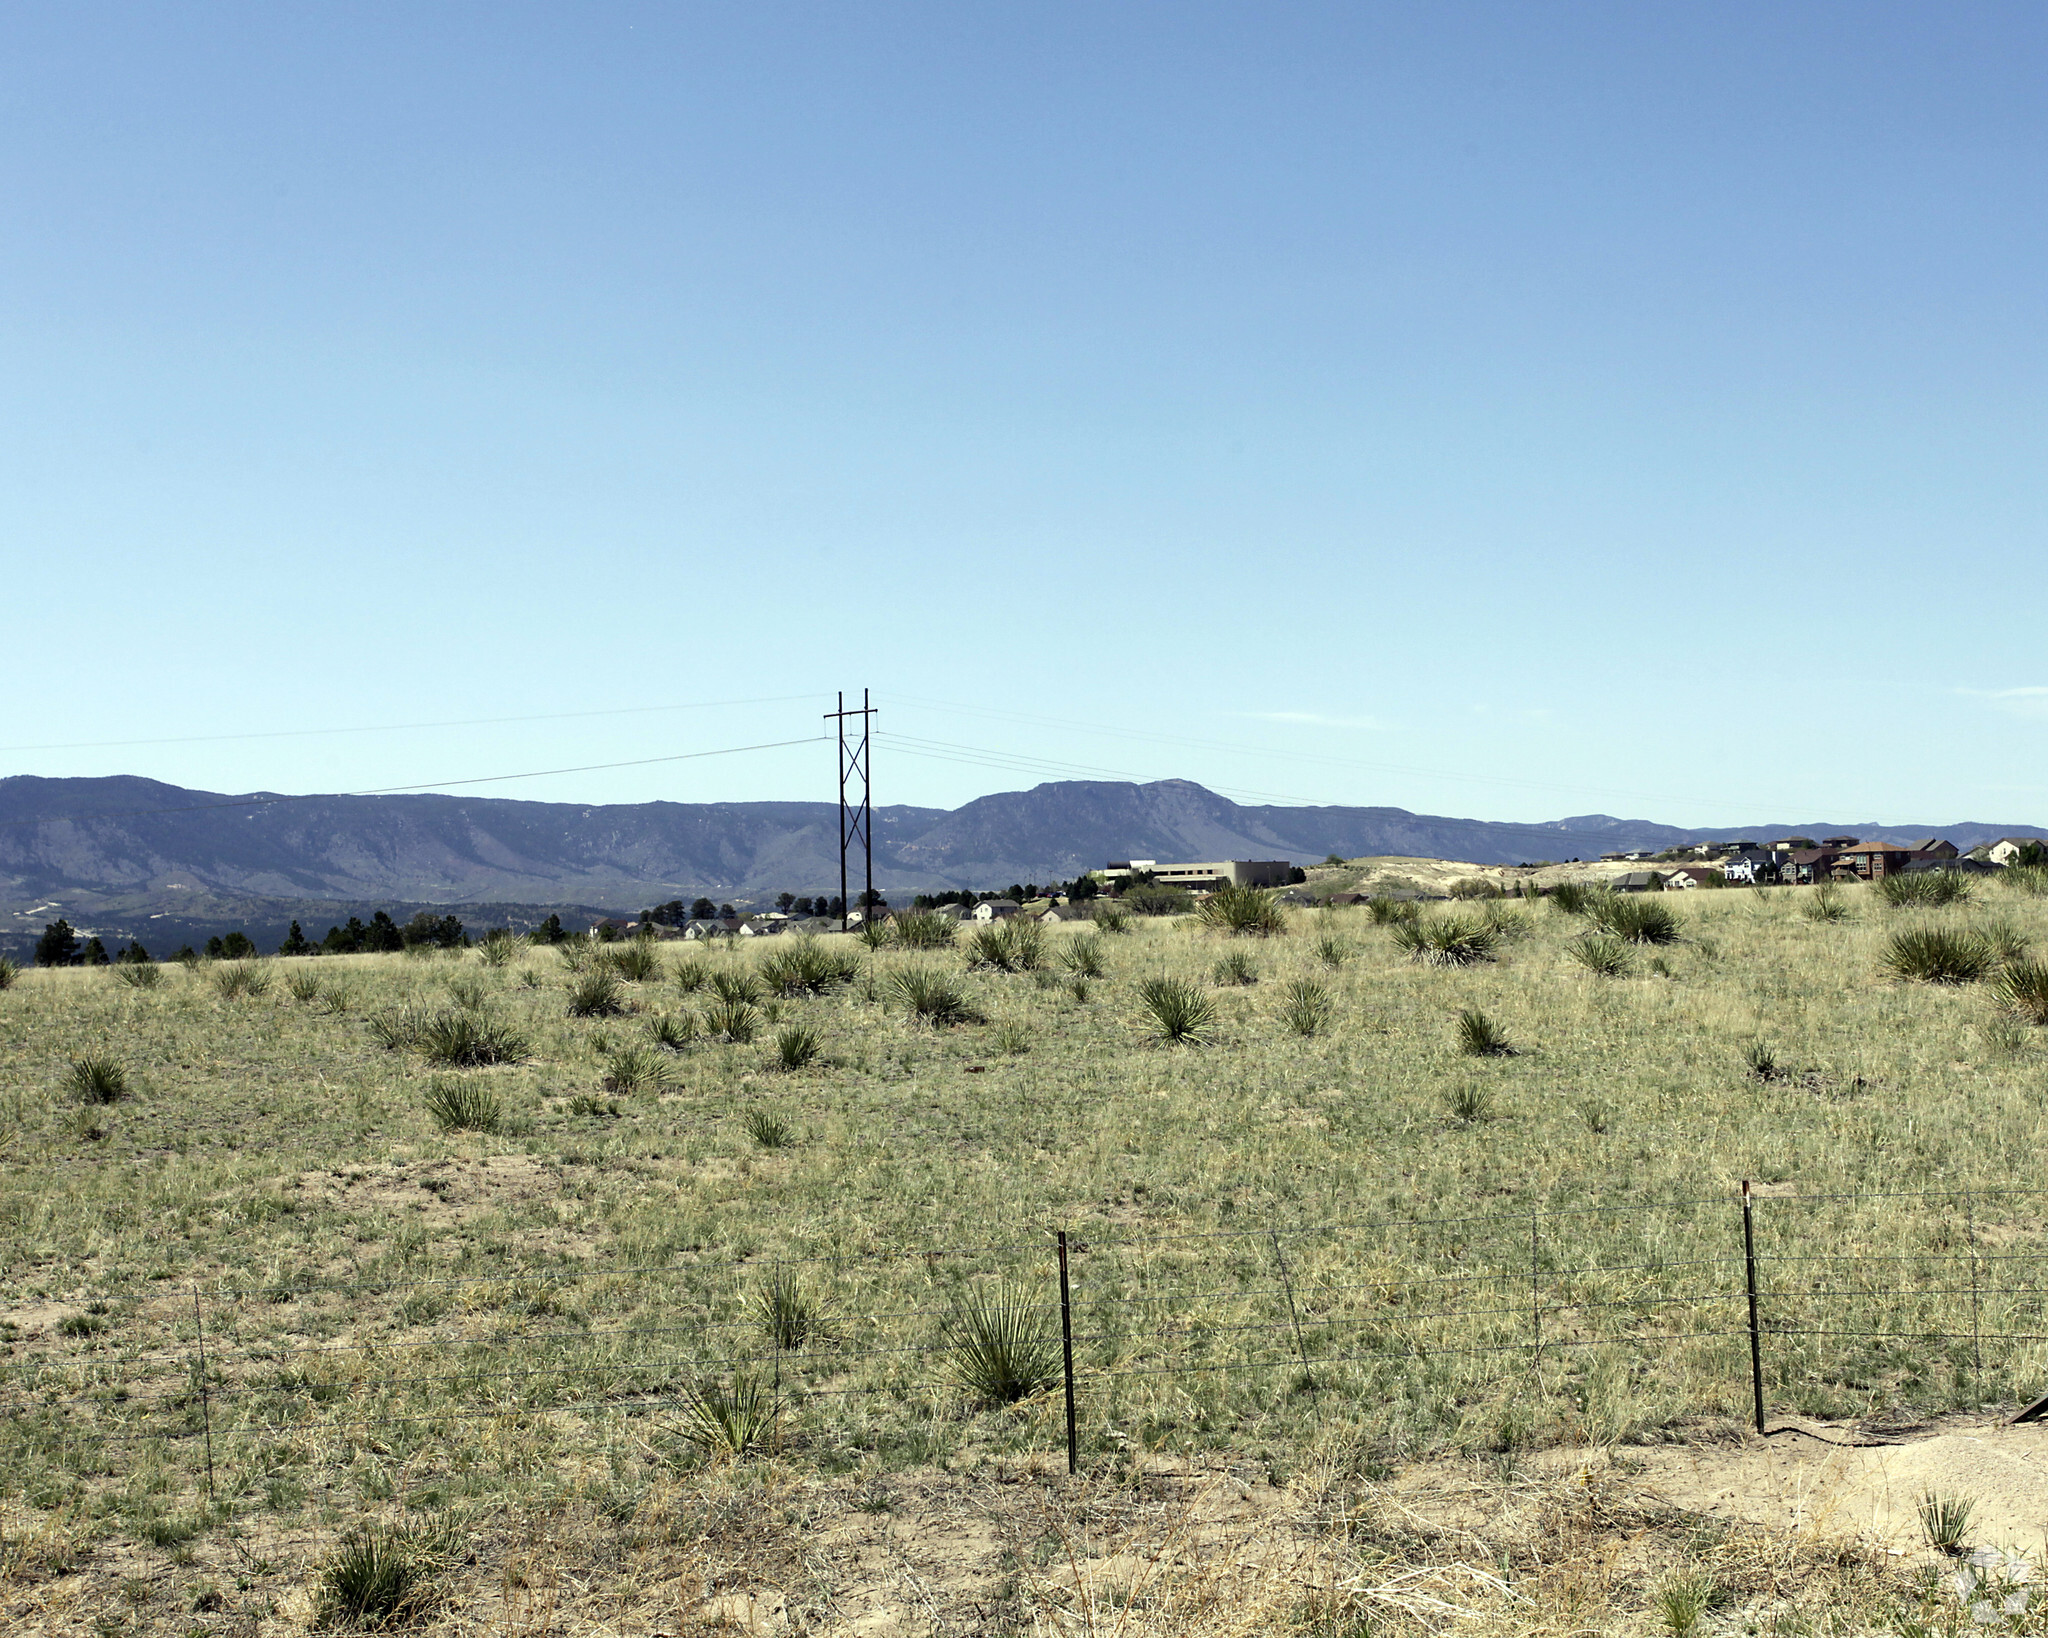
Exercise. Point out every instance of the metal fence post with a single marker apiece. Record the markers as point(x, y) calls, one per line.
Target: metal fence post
point(1535, 1300)
point(1067, 1359)
point(1976, 1301)
point(1756, 1353)
point(205, 1391)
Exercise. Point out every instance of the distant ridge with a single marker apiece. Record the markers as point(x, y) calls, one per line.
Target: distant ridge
point(458, 850)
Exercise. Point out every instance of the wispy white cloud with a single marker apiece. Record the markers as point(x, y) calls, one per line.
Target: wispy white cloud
point(2014, 702)
point(1310, 719)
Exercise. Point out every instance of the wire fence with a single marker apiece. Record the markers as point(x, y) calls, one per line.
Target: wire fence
point(1753, 1305)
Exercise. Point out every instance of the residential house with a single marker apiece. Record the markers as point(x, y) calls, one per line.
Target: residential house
point(995, 909)
point(762, 926)
point(1686, 877)
point(1803, 866)
point(2006, 850)
point(1870, 861)
point(1639, 881)
point(1749, 868)
point(712, 927)
point(1935, 847)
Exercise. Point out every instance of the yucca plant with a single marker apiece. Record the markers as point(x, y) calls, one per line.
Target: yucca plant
point(1762, 1063)
point(97, 1077)
point(1237, 967)
point(1572, 898)
point(1242, 912)
point(1827, 904)
point(735, 988)
point(2022, 988)
point(673, 1030)
point(934, 997)
point(1469, 1105)
point(1480, 1037)
point(1306, 1007)
point(577, 953)
point(238, 979)
point(500, 947)
point(1938, 955)
point(302, 984)
point(1447, 941)
point(1007, 946)
point(137, 975)
point(1332, 951)
point(1945, 1518)
point(1083, 956)
point(377, 1578)
point(804, 966)
point(790, 1312)
point(691, 975)
point(1509, 924)
point(637, 1069)
point(459, 1105)
point(468, 993)
point(1111, 918)
point(1001, 1344)
point(769, 1129)
point(595, 994)
point(1683, 1601)
point(9, 972)
point(467, 1040)
point(730, 1419)
point(796, 1045)
point(2007, 943)
point(636, 961)
point(2029, 879)
point(1181, 1015)
point(1640, 918)
point(1924, 888)
point(735, 1021)
point(1601, 954)
point(398, 1031)
point(926, 930)
point(1386, 912)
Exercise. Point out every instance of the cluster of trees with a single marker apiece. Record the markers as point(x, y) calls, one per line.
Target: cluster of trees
point(1080, 888)
point(384, 935)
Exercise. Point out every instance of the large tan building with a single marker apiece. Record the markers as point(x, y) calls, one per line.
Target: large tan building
point(1237, 872)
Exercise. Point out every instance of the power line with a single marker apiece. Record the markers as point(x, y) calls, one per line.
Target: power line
point(405, 727)
point(394, 790)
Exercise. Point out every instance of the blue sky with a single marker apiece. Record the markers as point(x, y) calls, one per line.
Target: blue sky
point(1504, 410)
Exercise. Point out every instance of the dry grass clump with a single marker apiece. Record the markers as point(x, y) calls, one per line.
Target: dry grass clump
point(377, 1578)
point(137, 975)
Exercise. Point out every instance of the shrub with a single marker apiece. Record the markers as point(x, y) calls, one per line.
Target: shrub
point(467, 1040)
point(459, 1105)
point(2007, 942)
point(925, 930)
point(1573, 898)
point(2029, 879)
point(302, 984)
point(1007, 946)
point(378, 1578)
point(398, 1031)
point(735, 1021)
point(1001, 1345)
point(595, 994)
point(1242, 912)
point(1386, 912)
point(1480, 1037)
point(2023, 988)
point(637, 1069)
point(1237, 967)
point(1306, 1007)
point(1474, 887)
point(730, 1420)
point(236, 979)
point(636, 961)
point(796, 1046)
point(789, 1313)
point(1083, 956)
point(1447, 941)
point(97, 1077)
point(1181, 1014)
point(137, 975)
point(1938, 955)
point(691, 975)
point(1641, 918)
point(8, 973)
point(1601, 953)
point(769, 1129)
point(674, 1030)
point(1332, 951)
point(1158, 900)
point(934, 997)
point(803, 966)
point(1924, 888)
point(737, 989)
point(468, 993)
point(1827, 904)
point(1763, 1063)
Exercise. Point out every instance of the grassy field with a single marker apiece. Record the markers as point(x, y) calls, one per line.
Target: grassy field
point(1321, 1243)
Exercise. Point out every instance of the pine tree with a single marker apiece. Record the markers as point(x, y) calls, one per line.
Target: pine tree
point(58, 947)
point(296, 943)
point(95, 953)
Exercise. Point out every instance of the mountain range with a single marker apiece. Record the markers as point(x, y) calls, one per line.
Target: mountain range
point(152, 850)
